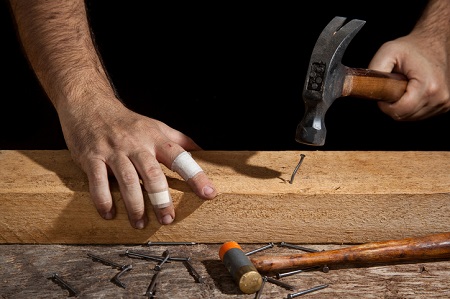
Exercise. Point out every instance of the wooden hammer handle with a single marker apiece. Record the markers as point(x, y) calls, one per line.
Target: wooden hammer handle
point(371, 84)
point(436, 246)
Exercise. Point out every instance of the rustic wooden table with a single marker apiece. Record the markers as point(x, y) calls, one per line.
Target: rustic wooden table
point(25, 272)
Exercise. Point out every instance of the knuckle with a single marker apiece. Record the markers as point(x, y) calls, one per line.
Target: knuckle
point(152, 170)
point(434, 89)
point(128, 177)
point(96, 179)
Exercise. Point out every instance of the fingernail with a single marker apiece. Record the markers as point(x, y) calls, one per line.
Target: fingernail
point(167, 219)
point(139, 224)
point(208, 190)
point(108, 216)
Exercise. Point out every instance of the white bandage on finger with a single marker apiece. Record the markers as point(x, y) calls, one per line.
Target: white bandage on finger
point(160, 199)
point(185, 166)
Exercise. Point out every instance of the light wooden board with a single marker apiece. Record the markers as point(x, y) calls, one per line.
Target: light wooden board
point(336, 197)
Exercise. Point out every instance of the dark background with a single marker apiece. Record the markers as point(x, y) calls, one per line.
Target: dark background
point(228, 75)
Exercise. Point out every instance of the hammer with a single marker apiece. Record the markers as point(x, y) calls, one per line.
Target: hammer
point(328, 79)
point(429, 247)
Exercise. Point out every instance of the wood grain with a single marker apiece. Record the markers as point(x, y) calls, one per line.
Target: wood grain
point(375, 85)
point(336, 197)
point(26, 268)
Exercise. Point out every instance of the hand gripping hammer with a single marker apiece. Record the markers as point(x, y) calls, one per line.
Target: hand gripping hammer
point(327, 79)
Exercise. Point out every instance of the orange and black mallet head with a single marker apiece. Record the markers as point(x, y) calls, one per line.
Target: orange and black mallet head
point(240, 267)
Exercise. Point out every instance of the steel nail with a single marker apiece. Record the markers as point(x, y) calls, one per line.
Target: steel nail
point(105, 261)
point(293, 295)
point(150, 293)
point(178, 259)
point(150, 243)
point(281, 284)
point(302, 156)
point(270, 245)
point(166, 256)
point(56, 278)
point(258, 294)
point(132, 254)
point(281, 275)
point(293, 246)
point(198, 277)
point(116, 277)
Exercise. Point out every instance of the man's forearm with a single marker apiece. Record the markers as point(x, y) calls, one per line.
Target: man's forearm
point(57, 41)
point(435, 21)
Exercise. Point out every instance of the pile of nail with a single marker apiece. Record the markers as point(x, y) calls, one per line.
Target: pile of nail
point(166, 256)
point(161, 260)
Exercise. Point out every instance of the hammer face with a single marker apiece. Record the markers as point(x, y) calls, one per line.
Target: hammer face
point(311, 130)
point(325, 78)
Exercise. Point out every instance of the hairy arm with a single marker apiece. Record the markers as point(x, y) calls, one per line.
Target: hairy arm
point(57, 39)
point(435, 21)
point(423, 56)
point(103, 136)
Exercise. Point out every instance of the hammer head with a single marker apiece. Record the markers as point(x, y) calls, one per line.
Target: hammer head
point(325, 78)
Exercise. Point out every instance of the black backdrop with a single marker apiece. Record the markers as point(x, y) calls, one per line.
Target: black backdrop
point(228, 75)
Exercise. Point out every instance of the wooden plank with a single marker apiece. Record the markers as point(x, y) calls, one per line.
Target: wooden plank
point(336, 197)
point(26, 268)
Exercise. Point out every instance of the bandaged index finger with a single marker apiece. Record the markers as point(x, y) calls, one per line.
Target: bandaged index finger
point(186, 166)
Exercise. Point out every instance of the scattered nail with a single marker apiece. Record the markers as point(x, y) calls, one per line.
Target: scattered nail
point(150, 293)
point(258, 294)
point(293, 246)
point(270, 245)
point(105, 261)
point(281, 284)
point(198, 277)
point(151, 243)
point(165, 256)
point(116, 277)
point(132, 254)
point(293, 295)
point(57, 279)
point(281, 275)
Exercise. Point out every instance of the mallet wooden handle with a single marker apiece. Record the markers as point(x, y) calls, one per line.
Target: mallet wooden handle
point(436, 246)
point(371, 84)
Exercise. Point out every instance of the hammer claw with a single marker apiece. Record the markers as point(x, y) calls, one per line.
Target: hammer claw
point(334, 39)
